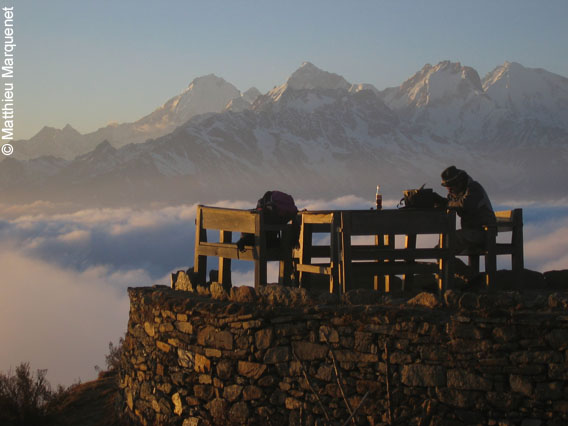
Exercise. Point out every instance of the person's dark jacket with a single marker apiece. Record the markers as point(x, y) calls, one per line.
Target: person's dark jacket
point(472, 206)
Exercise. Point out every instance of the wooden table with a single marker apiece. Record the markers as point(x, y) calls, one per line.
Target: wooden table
point(382, 259)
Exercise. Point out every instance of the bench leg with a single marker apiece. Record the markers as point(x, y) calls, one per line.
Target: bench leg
point(285, 272)
point(408, 279)
point(382, 282)
point(446, 264)
point(491, 257)
point(200, 269)
point(346, 273)
point(259, 273)
point(490, 269)
point(225, 264)
point(335, 255)
point(200, 262)
point(517, 258)
point(305, 251)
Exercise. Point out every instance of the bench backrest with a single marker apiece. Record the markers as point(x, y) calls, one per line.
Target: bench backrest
point(509, 220)
point(233, 220)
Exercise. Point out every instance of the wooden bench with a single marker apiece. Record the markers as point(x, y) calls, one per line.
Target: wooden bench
point(383, 258)
point(507, 221)
point(318, 222)
point(226, 221)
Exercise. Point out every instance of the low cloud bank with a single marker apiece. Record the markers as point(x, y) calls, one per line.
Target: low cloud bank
point(58, 319)
point(546, 245)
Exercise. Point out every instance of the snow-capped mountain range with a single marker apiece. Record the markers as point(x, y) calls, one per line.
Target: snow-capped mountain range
point(207, 94)
point(316, 135)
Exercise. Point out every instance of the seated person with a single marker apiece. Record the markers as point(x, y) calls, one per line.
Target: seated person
point(470, 201)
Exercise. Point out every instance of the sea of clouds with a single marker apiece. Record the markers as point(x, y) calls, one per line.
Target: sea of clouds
point(64, 275)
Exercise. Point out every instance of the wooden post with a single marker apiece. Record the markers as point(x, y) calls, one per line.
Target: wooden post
point(305, 248)
point(378, 280)
point(335, 251)
point(409, 243)
point(389, 242)
point(200, 262)
point(517, 258)
point(260, 252)
point(224, 263)
point(446, 262)
point(442, 264)
point(382, 282)
point(451, 255)
point(285, 265)
point(490, 257)
point(346, 251)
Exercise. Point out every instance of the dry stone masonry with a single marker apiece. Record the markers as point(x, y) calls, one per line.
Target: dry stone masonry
point(280, 356)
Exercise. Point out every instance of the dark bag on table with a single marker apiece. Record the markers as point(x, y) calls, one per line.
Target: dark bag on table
point(421, 198)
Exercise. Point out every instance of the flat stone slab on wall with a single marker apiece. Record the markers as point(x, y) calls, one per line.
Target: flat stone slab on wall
point(283, 356)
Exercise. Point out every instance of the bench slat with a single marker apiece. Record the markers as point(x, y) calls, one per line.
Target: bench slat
point(504, 215)
point(229, 251)
point(317, 218)
point(315, 268)
point(229, 219)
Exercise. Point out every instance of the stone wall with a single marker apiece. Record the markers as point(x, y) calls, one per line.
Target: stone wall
point(280, 357)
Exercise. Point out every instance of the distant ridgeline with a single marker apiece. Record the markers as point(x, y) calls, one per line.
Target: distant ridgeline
point(282, 356)
point(315, 135)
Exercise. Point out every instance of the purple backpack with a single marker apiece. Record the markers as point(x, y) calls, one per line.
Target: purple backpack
point(279, 205)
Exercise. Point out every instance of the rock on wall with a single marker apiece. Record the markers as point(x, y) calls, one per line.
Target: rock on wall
point(279, 357)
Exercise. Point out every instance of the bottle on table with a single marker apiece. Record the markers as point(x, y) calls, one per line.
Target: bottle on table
point(379, 198)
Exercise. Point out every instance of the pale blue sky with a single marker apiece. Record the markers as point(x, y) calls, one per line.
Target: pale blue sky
point(90, 62)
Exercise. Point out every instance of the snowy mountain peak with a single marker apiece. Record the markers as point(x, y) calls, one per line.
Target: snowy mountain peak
point(502, 73)
point(204, 94)
point(207, 81)
point(532, 93)
point(434, 85)
point(207, 89)
point(308, 76)
point(522, 77)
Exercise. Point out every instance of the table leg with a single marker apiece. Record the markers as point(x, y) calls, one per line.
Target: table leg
point(408, 279)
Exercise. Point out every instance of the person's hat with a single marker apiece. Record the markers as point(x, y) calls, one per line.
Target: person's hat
point(451, 176)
